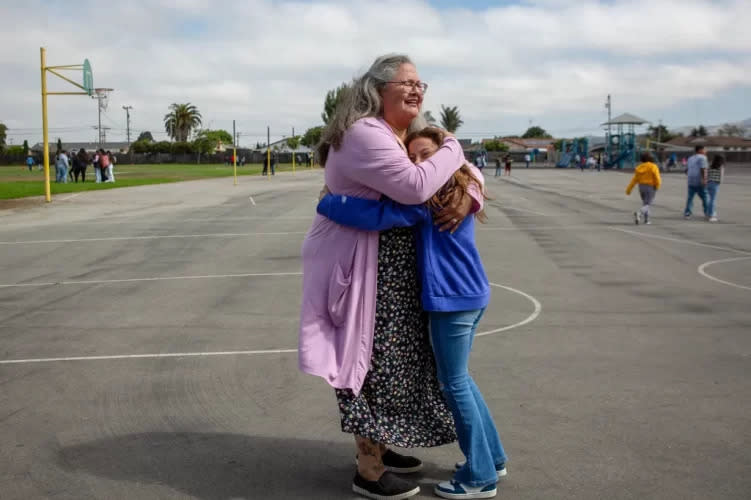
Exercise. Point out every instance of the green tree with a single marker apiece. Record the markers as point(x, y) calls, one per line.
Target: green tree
point(450, 119)
point(181, 120)
point(430, 118)
point(3, 136)
point(536, 133)
point(25, 147)
point(699, 131)
point(293, 143)
point(216, 136)
point(496, 145)
point(732, 130)
point(203, 146)
point(660, 133)
point(145, 136)
point(59, 145)
point(330, 102)
point(312, 136)
point(182, 148)
point(161, 147)
point(142, 146)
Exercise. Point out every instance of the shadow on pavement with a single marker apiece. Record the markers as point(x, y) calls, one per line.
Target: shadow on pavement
point(220, 466)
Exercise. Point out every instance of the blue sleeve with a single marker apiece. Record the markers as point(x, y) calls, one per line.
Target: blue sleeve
point(370, 215)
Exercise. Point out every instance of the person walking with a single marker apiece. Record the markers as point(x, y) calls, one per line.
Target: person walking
point(30, 162)
point(715, 176)
point(647, 176)
point(507, 160)
point(527, 159)
point(62, 164)
point(112, 159)
point(497, 166)
point(696, 172)
point(362, 327)
point(455, 293)
point(104, 163)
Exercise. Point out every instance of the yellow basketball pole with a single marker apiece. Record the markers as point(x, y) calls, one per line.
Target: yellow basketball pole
point(45, 134)
point(45, 131)
point(234, 163)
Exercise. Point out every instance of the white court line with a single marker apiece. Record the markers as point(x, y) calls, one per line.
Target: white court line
point(678, 240)
point(163, 278)
point(530, 318)
point(71, 197)
point(142, 356)
point(153, 220)
point(253, 201)
point(702, 270)
point(166, 236)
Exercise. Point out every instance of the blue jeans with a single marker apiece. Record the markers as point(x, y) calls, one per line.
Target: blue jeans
point(451, 334)
point(61, 172)
point(696, 190)
point(712, 189)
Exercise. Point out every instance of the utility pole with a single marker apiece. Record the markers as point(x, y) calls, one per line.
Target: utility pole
point(102, 132)
point(659, 131)
point(608, 105)
point(268, 151)
point(234, 151)
point(127, 120)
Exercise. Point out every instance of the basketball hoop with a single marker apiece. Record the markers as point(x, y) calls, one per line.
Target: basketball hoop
point(102, 95)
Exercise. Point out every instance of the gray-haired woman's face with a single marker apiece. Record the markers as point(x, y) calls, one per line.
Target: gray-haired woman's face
point(402, 101)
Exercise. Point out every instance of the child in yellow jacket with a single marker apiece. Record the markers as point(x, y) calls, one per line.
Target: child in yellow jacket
point(647, 176)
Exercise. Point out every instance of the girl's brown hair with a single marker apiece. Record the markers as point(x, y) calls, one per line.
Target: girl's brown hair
point(458, 184)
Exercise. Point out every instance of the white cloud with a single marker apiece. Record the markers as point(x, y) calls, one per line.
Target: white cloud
point(268, 62)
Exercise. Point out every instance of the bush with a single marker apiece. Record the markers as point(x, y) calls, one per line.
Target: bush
point(142, 146)
point(182, 148)
point(161, 147)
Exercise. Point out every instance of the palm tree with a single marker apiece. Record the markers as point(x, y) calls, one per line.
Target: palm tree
point(181, 120)
point(450, 119)
point(429, 118)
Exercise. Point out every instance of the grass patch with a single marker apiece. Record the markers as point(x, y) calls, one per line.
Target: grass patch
point(18, 182)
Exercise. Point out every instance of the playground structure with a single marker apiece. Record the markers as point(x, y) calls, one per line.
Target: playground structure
point(570, 150)
point(621, 146)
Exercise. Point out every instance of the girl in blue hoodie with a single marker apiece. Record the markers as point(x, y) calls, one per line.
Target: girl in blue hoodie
point(455, 292)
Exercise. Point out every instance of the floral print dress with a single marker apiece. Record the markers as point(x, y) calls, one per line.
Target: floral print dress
point(400, 402)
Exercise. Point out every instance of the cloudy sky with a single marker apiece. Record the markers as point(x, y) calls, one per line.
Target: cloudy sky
point(505, 64)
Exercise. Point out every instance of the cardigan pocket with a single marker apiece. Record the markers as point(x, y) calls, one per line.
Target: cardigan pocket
point(339, 284)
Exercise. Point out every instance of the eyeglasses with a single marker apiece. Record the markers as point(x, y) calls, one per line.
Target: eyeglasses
point(411, 84)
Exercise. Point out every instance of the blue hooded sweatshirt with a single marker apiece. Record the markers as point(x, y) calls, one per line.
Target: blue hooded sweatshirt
point(450, 267)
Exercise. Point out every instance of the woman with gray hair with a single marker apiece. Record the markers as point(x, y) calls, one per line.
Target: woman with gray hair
point(362, 327)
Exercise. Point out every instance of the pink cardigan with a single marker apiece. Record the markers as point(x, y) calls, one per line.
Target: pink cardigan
point(340, 264)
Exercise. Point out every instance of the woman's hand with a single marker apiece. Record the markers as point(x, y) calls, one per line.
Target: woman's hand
point(451, 216)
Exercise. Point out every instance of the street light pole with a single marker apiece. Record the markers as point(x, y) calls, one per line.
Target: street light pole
point(127, 118)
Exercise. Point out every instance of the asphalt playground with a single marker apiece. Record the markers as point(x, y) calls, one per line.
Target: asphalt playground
point(148, 334)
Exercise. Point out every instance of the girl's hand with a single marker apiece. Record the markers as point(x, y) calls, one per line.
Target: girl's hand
point(451, 216)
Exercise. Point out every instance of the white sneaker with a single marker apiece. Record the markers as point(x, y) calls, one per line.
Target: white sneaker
point(500, 469)
point(713, 219)
point(454, 489)
point(636, 218)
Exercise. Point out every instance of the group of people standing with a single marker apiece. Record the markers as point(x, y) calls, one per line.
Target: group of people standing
point(507, 165)
point(394, 288)
point(703, 180)
point(74, 165)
